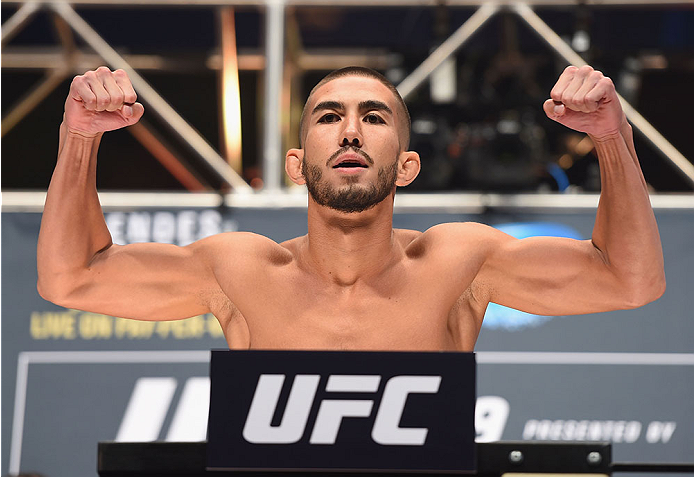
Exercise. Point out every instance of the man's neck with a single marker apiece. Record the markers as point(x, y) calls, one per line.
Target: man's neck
point(347, 247)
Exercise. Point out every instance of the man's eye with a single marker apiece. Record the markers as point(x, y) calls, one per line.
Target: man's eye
point(373, 119)
point(329, 118)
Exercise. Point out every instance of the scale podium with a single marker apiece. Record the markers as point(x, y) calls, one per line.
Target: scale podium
point(342, 411)
point(348, 413)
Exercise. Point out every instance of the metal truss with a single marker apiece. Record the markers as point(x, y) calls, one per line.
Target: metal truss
point(178, 125)
point(523, 10)
point(275, 69)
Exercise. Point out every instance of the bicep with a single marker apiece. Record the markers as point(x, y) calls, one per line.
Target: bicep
point(549, 276)
point(149, 281)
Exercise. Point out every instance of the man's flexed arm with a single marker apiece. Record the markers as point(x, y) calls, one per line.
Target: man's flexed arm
point(625, 231)
point(622, 265)
point(78, 266)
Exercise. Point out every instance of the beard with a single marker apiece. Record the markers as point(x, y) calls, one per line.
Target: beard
point(353, 197)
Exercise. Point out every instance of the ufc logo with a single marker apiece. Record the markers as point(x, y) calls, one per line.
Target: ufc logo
point(386, 429)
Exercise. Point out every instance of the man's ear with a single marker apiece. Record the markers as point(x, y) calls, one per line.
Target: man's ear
point(409, 165)
point(292, 165)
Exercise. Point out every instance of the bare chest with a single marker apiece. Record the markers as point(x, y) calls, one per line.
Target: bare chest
point(399, 311)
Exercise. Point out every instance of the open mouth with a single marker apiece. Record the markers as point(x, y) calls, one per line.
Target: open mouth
point(349, 164)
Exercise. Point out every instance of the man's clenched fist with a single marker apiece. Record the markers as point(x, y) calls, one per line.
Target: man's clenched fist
point(101, 100)
point(585, 100)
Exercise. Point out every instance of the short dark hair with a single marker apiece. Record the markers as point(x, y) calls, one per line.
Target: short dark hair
point(359, 71)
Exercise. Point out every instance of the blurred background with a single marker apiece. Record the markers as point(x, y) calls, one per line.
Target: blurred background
point(223, 84)
point(477, 119)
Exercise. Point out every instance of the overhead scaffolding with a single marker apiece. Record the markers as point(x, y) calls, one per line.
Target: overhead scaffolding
point(273, 64)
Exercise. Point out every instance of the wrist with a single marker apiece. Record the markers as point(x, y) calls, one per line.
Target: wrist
point(618, 133)
point(611, 136)
point(81, 134)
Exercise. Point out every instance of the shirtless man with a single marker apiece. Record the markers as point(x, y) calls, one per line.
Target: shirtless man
point(352, 283)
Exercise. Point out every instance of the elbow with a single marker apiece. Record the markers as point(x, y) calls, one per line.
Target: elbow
point(57, 289)
point(48, 291)
point(645, 291)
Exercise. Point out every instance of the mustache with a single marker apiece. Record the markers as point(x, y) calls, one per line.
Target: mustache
point(345, 149)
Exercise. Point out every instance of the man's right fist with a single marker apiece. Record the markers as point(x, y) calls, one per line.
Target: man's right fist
point(101, 100)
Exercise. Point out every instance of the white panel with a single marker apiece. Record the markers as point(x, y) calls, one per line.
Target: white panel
point(146, 410)
point(190, 421)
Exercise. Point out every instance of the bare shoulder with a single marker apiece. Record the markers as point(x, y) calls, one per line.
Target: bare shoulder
point(292, 246)
point(455, 231)
point(454, 237)
point(240, 262)
point(405, 237)
point(457, 250)
point(239, 248)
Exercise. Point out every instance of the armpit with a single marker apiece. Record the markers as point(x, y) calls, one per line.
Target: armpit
point(465, 319)
point(232, 321)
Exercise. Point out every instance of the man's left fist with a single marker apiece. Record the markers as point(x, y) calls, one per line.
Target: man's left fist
point(585, 100)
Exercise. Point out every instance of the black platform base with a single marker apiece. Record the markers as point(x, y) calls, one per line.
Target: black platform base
point(167, 459)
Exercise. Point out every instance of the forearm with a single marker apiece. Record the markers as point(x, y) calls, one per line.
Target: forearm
point(73, 229)
point(625, 230)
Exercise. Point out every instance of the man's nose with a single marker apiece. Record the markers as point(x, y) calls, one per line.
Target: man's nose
point(351, 135)
point(354, 142)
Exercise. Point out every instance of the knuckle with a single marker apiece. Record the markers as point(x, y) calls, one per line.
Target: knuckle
point(571, 69)
point(89, 101)
point(121, 75)
point(586, 69)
